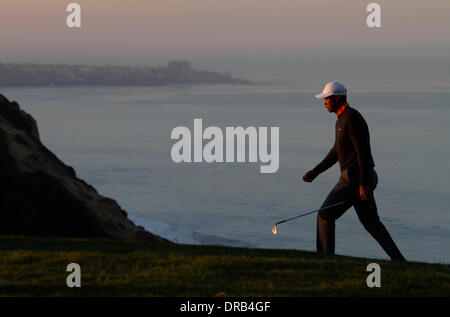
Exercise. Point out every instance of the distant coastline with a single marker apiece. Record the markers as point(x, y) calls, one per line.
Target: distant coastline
point(174, 73)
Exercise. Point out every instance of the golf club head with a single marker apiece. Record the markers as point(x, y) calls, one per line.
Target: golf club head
point(274, 229)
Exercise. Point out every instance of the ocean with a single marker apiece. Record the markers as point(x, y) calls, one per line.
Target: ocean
point(118, 140)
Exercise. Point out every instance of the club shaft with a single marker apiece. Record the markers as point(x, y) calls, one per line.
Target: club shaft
point(310, 212)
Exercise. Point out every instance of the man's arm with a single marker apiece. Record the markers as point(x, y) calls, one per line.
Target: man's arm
point(359, 135)
point(326, 163)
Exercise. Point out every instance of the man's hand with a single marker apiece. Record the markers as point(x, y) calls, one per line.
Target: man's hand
point(310, 176)
point(365, 192)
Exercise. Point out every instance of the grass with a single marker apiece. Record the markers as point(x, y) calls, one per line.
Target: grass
point(37, 267)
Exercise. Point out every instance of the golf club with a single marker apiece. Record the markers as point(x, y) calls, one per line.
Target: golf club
point(275, 230)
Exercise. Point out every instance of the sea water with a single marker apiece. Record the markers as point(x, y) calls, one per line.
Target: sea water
point(118, 140)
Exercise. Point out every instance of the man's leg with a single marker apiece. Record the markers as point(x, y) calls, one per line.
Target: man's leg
point(368, 215)
point(326, 218)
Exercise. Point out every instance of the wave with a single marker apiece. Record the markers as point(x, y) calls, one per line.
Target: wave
point(184, 235)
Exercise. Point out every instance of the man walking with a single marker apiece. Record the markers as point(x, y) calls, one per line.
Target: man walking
point(358, 178)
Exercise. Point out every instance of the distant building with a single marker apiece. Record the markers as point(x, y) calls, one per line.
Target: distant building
point(179, 69)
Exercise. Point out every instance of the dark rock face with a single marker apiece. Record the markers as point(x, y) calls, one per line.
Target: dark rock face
point(40, 195)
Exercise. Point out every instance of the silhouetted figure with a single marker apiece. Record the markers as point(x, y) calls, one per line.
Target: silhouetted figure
point(358, 178)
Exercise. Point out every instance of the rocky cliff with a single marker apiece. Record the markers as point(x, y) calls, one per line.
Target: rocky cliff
point(40, 195)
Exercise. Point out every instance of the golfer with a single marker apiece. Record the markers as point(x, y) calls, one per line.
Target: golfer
point(358, 178)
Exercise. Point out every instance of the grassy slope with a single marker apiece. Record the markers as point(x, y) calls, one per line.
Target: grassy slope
point(37, 267)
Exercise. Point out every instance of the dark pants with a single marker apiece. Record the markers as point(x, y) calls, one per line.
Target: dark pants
point(347, 189)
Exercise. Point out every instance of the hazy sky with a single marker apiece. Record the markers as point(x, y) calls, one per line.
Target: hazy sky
point(260, 39)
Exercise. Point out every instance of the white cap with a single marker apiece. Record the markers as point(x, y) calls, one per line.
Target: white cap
point(332, 88)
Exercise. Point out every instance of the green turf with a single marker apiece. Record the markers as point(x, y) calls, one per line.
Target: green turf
point(37, 267)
